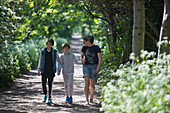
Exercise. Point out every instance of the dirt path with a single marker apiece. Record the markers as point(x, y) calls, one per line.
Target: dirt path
point(25, 96)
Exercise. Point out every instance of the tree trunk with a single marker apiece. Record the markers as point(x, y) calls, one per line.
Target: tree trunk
point(165, 28)
point(138, 28)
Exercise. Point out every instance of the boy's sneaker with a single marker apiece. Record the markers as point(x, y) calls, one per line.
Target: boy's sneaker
point(67, 99)
point(49, 100)
point(45, 98)
point(70, 100)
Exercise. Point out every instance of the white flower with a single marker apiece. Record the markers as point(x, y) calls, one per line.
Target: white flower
point(167, 97)
point(143, 54)
point(132, 56)
point(165, 38)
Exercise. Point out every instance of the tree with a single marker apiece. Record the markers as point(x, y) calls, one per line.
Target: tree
point(114, 27)
point(8, 21)
point(165, 28)
point(139, 27)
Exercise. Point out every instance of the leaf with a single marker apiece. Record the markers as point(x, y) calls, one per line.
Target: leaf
point(96, 21)
point(49, 10)
point(143, 83)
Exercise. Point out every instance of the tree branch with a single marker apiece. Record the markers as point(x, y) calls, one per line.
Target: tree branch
point(152, 26)
point(95, 16)
point(149, 35)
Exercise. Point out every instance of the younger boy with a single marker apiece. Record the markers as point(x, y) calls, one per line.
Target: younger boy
point(47, 67)
point(66, 62)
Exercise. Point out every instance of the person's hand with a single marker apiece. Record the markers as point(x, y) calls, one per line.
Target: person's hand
point(58, 73)
point(83, 61)
point(38, 73)
point(98, 70)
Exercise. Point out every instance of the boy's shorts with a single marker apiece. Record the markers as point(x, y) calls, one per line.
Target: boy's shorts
point(90, 71)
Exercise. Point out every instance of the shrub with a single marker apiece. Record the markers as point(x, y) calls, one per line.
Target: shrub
point(17, 58)
point(142, 87)
point(33, 48)
point(59, 42)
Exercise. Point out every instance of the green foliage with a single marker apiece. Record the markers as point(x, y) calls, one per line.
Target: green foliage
point(60, 41)
point(8, 21)
point(17, 58)
point(33, 48)
point(140, 87)
point(106, 74)
point(44, 19)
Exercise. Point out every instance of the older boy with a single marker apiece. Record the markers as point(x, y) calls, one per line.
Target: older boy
point(47, 67)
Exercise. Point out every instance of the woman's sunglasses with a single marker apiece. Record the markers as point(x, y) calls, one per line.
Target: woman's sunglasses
point(85, 42)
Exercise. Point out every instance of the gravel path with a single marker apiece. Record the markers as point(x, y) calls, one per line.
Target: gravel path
point(25, 96)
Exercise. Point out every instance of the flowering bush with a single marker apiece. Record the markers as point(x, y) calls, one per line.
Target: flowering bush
point(142, 87)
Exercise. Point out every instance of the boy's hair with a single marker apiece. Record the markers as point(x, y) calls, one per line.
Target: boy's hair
point(50, 40)
point(65, 45)
point(89, 38)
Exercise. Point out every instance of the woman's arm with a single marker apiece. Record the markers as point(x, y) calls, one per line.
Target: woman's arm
point(82, 58)
point(99, 62)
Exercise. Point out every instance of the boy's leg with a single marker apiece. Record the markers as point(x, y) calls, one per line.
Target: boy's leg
point(70, 84)
point(44, 81)
point(66, 84)
point(50, 83)
point(70, 87)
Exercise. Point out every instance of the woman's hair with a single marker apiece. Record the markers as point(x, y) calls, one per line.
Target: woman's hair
point(65, 45)
point(50, 40)
point(89, 38)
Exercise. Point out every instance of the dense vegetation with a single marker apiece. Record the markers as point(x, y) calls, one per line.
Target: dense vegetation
point(17, 58)
point(25, 24)
point(142, 87)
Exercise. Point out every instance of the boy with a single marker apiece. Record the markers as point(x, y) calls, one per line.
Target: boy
point(66, 62)
point(91, 65)
point(47, 67)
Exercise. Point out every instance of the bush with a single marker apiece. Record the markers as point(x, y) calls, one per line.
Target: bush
point(106, 74)
point(59, 42)
point(140, 87)
point(33, 48)
point(17, 58)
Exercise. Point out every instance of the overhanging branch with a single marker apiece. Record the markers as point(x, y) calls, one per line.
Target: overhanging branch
point(95, 16)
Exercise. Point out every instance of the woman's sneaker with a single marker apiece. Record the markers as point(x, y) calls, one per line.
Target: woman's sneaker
point(70, 101)
point(45, 98)
point(86, 103)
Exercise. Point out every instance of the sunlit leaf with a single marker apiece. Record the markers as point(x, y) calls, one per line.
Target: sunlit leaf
point(49, 10)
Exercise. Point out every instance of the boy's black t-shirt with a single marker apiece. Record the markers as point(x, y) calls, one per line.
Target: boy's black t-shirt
point(48, 62)
point(91, 54)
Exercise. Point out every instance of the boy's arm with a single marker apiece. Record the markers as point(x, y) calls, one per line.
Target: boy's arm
point(58, 61)
point(60, 64)
point(75, 60)
point(39, 64)
point(57, 57)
